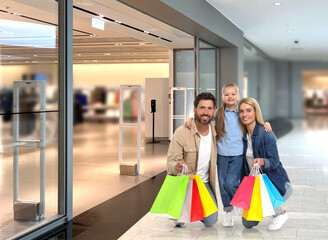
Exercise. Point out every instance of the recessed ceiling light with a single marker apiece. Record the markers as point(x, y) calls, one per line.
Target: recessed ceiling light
point(277, 3)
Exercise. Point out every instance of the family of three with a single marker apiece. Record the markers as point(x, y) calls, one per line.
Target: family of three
point(226, 151)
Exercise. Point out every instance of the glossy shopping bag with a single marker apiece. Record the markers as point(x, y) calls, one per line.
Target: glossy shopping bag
point(267, 208)
point(255, 211)
point(243, 195)
point(275, 196)
point(208, 204)
point(196, 213)
point(170, 198)
point(186, 207)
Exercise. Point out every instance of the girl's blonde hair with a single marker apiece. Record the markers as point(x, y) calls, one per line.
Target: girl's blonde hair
point(219, 117)
point(258, 113)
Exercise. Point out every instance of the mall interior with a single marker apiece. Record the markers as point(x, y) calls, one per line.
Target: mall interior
point(91, 92)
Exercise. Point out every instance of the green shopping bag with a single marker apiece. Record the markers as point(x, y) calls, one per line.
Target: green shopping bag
point(170, 198)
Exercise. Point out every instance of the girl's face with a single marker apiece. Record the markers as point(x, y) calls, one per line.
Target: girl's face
point(230, 96)
point(247, 114)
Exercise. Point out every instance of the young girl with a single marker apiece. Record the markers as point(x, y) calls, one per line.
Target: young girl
point(229, 148)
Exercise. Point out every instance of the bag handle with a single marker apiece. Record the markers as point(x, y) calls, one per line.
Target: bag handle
point(256, 170)
point(185, 170)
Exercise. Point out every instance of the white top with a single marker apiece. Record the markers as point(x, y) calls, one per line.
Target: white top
point(249, 153)
point(204, 155)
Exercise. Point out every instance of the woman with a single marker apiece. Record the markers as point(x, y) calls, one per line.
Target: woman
point(261, 147)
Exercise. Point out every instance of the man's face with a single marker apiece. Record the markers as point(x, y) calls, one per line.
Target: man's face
point(204, 111)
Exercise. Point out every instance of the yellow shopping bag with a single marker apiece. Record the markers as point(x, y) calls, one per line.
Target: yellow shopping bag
point(208, 204)
point(255, 211)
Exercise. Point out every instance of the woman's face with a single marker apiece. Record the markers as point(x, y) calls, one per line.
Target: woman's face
point(247, 114)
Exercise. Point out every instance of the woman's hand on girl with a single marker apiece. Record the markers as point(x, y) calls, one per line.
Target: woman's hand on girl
point(267, 127)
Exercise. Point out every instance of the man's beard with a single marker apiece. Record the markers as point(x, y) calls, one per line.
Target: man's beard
point(200, 120)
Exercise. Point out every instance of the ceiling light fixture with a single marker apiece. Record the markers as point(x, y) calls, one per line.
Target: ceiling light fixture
point(277, 3)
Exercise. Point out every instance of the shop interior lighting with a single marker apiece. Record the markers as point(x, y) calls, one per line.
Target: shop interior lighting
point(92, 13)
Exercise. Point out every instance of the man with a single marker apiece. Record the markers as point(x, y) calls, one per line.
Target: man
point(196, 148)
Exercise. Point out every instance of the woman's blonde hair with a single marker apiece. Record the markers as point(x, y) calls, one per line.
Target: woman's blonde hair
point(258, 113)
point(219, 117)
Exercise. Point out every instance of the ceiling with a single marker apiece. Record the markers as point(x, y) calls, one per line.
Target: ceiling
point(128, 36)
point(295, 30)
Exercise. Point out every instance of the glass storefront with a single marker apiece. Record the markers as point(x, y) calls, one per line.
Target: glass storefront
point(184, 75)
point(207, 68)
point(29, 110)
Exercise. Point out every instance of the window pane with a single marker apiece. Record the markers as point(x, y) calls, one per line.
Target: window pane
point(207, 68)
point(29, 114)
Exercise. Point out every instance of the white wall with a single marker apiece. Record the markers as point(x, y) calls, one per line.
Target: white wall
point(11, 73)
point(117, 74)
point(158, 89)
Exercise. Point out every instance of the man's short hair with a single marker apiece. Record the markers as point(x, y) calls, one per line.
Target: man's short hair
point(204, 96)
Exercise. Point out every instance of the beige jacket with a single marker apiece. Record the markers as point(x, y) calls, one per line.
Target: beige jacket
point(185, 147)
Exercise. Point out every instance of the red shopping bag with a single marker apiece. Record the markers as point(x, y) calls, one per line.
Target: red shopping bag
point(243, 195)
point(196, 212)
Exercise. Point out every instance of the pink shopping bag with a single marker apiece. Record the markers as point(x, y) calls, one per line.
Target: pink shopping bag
point(243, 195)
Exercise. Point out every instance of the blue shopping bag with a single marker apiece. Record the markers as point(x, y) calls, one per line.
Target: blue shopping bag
point(275, 196)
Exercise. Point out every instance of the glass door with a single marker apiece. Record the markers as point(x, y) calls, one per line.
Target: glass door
point(195, 69)
point(29, 116)
point(208, 62)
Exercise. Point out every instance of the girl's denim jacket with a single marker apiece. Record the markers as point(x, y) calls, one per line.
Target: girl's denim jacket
point(265, 146)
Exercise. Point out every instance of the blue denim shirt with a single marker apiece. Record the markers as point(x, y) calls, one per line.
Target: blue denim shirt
point(264, 146)
point(231, 144)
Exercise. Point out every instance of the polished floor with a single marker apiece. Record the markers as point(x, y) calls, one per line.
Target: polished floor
point(111, 206)
point(304, 154)
point(96, 175)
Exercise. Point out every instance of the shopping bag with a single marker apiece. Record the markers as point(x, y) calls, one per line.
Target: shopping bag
point(208, 204)
point(186, 207)
point(267, 208)
point(243, 195)
point(275, 196)
point(255, 211)
point(170, 197)
point(196, 212)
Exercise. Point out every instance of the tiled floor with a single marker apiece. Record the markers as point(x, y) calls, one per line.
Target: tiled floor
point(304, 154)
